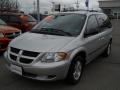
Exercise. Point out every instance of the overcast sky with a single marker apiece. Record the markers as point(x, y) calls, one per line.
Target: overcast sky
point(46, 5)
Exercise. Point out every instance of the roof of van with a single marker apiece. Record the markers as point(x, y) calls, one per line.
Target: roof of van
point(108, 0)
point(80, 12)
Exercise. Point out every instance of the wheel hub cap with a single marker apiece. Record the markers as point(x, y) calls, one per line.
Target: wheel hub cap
point(77, 72)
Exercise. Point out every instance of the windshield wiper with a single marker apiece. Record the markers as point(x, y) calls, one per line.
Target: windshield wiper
point(55, 31)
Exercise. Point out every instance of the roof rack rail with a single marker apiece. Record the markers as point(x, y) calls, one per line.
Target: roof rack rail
point(93, 11)
point(83, 10)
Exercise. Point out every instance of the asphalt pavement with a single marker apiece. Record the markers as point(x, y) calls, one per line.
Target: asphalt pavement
point(101, 74)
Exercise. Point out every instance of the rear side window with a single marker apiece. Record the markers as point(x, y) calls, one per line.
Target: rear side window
point(103, 21)
point(4, 18)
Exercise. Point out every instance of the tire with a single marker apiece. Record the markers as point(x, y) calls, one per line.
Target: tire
point(107, 51)
point(75, 71)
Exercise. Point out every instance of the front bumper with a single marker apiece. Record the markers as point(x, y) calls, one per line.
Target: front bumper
point(41, 71)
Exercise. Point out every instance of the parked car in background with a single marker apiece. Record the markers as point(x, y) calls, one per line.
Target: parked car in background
point(111, 16)
point(7, 33)
point(19, 20)
point(60, 46)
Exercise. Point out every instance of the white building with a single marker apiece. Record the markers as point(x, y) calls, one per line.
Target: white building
point(110, 7)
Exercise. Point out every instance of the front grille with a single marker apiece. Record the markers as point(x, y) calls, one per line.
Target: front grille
point(14, 58)
point(25, 61)
point(26, 74)
point(24, 56)
point(12, 35)
point(30, 54)
point(15, 50)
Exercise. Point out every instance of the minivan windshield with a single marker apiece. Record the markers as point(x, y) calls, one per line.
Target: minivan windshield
point(2, 22)
point(61, 24)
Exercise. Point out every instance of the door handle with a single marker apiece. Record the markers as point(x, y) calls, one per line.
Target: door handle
point(102, 38)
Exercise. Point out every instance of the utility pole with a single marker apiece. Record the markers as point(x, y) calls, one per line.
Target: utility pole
point(34, 4)
point(53, 7)
point(16, 5)
point(77, 4)
point(38, 10)
point(87, 4)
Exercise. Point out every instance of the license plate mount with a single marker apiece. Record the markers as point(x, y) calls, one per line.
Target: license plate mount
point(16, 69)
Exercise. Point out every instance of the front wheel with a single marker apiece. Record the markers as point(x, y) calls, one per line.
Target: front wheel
point(75, 71)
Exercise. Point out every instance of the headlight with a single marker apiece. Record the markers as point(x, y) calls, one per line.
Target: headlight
point(54, 57)
point(1, 35)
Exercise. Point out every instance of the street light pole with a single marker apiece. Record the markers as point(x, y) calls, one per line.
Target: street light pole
point(77, 5)
point(34, 4)
point(38, 10)
point(53, 7)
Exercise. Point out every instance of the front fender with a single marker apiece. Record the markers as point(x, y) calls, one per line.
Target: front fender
point(76, 51)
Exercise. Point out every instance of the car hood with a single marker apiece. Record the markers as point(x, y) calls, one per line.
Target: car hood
point(8, 29)
point(40, 42)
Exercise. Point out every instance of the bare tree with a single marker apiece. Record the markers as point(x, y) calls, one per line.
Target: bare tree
point(9, 5)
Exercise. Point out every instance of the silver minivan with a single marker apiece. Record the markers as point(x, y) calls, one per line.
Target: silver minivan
point(60, 46)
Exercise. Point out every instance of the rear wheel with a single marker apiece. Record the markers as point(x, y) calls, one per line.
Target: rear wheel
point(107, 51)
point(75, 71)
